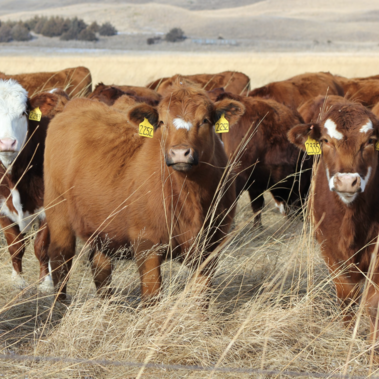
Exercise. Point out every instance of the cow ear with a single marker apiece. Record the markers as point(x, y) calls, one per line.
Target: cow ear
point(46, 102)
point(232, 110)
point(138, 113)
point(299, 134)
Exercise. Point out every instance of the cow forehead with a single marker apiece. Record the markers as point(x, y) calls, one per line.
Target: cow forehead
point(13, 98)
point(361, 125)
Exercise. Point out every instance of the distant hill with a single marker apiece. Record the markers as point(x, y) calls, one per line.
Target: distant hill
point(266, 20)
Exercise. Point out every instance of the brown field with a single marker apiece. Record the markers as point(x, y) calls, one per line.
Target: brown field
point(273, 305)
point(139, 69)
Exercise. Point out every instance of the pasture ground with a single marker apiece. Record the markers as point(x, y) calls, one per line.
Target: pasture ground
point(273, 306)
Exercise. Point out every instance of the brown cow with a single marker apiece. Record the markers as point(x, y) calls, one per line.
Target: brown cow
point(295, 91)
point(345, 206)
point(75, 81)
point(361, 90)
point(232, 81)
point(149, 193)
point(109, 94)
point(267, 159)
point(139, 91)
point(22, 143)
point(313, 109)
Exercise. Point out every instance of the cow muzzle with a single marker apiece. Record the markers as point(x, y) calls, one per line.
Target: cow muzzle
point(347, 186)
point(181, 158)
point(8, 145)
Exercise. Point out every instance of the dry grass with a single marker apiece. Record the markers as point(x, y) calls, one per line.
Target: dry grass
point(273, 307)
point(140, 69)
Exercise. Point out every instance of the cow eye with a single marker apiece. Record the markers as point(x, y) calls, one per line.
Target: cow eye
point(160, 123)
point(371, 141)
point(205, 121)
point(324, 140)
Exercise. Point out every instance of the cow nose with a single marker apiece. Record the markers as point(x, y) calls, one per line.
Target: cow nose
point(181, 155)
point(347, 183)
point(8, 144)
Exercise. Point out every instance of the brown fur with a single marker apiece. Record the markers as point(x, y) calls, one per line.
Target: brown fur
point(313, 109)
point(297, 90)
point(268, 158)
point(109, 94)
point(114, 171)
point(361, 90)
point(232, 81)
point(77, 79)
point(346, 233)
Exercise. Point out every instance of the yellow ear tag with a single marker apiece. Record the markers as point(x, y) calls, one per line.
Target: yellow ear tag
point(222, 125)
point(35, 114)
point(312, 147)
point(146, 129)
point(377, 146)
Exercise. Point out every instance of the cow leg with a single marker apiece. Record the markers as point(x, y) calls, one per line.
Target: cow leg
point(257, 203)
point(348, 293)
point(16, 249)
point(372, 305)
point(62, 247)
point(41, 244)
point(203, 282)
point(149, 266)
point(102, 272)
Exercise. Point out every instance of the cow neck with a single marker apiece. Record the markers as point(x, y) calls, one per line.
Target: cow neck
point(359, 220)
point(27, 169)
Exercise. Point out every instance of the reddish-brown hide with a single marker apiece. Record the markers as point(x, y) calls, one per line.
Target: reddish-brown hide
point(295, 91)
point(75, 81)
point(109, 94)
point(25, 177)
point(267, 159)
point(313, 109)
point(138, 191)
point(361, 90)
point(232, 81)
point(345, 207)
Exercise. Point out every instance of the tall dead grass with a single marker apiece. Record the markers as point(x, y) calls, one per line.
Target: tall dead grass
point(272, 307)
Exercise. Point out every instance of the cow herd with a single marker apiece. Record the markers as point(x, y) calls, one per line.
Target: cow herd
point(160, 168)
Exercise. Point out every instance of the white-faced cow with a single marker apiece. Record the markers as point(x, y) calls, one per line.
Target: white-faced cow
point(345, 204)
point(116, 185)
point(21, 172)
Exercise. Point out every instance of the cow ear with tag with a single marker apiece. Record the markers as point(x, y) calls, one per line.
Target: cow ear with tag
point(43, 104)
point(139, 113)
point(303, 134)
point(230, 110)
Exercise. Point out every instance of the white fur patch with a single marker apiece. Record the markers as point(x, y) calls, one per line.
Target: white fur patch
point(13, 121)
point(179, 123)
point(331, 127)
point(18, 280)
point(281, 207)
point(46, 285)
point(366, 127)
point(21, 218)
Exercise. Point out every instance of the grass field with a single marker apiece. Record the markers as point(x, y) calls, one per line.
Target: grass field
point(273, 306)
point(139, 69)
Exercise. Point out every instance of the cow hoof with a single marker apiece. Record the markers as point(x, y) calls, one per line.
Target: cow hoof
point(18, 281)
point(46, 285)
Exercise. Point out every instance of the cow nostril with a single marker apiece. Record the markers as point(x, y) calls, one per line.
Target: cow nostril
point(172, 152)
point(187, 152)
point(354, 183)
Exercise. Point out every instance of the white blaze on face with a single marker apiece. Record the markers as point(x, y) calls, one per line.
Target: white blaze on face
point(13, 121)
point(179, 123)
point(366, 127)
point(331, 127)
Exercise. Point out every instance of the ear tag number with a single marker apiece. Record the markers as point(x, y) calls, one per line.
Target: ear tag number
point(222, 125)
point(35, 114)
point(377, 145)
point(312, 147)
point(146, 129)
